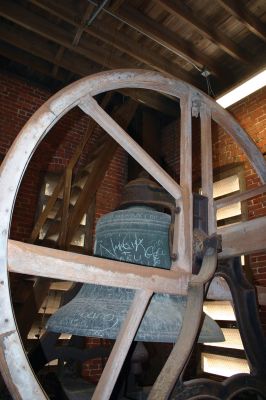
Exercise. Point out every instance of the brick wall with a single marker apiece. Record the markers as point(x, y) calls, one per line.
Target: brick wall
point(19, 99)
point(251, 114)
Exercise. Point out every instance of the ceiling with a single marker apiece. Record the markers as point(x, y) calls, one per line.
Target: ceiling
point(59, 41)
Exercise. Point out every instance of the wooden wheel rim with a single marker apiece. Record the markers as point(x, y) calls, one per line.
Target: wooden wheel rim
point(14, 364)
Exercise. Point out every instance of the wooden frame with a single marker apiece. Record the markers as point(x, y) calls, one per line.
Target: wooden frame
point(13, 362)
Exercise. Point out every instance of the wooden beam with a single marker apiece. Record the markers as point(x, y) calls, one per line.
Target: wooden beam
point(165, 38)
point(243, 238)
point(183, 229)
point(24, 40)
point(92, 108)
point(168, 40)
point(36, 63)
point(192, 318)
point(206, 164)
point(122, 345)
point(154, 100)
point(30, 308)
point(238, 9)
point(141, 53)
point(41, 48)
point(57, 264)
point(181, 10)
point(82, 25)
point(65, 209)
point(123, 43)
point(234, 198)
point(124, 115)
point(50, 31)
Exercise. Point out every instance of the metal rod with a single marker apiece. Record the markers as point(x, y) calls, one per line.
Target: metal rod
point(123, 20)
point(96, 12)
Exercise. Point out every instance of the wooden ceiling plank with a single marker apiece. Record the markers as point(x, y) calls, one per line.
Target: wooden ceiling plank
point(181, 10)
point(123, 43)
point(44, 28)
point(19, 56)
point(142, 53)
point(80, 67)
point(116, 4)
point(169, 40)
point(75, 41)
point(251, 22)
point(25, 41)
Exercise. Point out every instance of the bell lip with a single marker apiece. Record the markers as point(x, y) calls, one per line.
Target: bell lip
point(167, 332)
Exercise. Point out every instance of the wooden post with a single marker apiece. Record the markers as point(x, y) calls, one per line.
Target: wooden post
point(65, 210)
point(183, 229)
point(206, 164)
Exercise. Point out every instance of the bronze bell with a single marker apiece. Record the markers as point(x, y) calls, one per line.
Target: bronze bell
point(136, 233)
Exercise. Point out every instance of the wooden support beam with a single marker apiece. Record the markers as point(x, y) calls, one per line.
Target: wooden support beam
point(206, 164)
point(30, 308)
point(181, 10)
point(239, 10)
point(41, 48)
point(179, 355)
point(57, 264)
point(50, 31)
point(243, 238)
point(65, 209)
point(183, 230)
point(20, 56)
point(122, 344)
point(168, 39)
point(124, 114)
point(234, 198)
point(124, 43)
point(64, 185)
point(43, 216)
point(82, 26)
point(154, 100)
point(92, 108)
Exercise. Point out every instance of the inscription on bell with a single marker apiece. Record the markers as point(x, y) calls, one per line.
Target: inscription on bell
point(132, 248)
point(138, 235)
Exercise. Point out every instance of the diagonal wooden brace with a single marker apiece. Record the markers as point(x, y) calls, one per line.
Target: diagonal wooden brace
point(173, 367)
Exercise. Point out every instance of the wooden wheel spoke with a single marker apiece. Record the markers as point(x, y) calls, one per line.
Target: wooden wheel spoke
point(92, 108)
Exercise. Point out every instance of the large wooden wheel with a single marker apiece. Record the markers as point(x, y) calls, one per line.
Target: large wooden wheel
point(29, 259)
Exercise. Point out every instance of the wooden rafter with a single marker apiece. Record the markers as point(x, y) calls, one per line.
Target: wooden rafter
point(181, 10)
point(251, 22)
point(50, 31)
point(27, 59)
point(123, 42)
point(168, 39)
point(28, 42)
point(124, 115)
point(82, 25)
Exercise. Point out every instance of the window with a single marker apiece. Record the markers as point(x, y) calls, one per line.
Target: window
point(226, 358)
